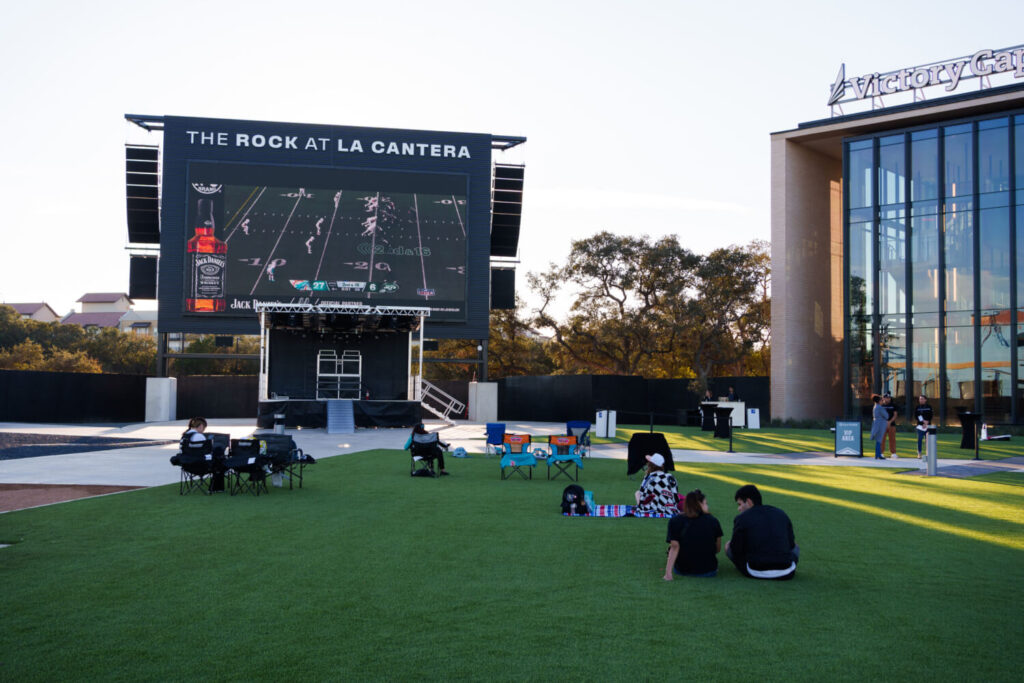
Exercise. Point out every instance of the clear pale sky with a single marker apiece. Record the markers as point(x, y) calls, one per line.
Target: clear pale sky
point(642, 117)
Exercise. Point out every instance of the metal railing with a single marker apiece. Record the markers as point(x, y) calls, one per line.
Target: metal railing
point(439, 403)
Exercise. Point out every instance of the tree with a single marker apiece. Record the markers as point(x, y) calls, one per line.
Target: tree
point(514, 347)
point(12, 328)
point(721, 325)
point(60, 360)
point(26, 355)
point(56, 335)
point(626, 285)
point(658, 310)
point(119, 352)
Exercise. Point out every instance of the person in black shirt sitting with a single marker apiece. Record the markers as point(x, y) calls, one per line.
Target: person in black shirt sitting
point(924, 415)
point(762, 544)
point(694, 539)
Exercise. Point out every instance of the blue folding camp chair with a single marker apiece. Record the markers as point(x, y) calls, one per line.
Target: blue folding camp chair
point(517, 456)
point(495, 438)
point(564, 453)
point(581, 430)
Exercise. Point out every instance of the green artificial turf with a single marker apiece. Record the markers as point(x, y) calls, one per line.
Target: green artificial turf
point(368, 574)
point(1009, 478)
point(791, 440)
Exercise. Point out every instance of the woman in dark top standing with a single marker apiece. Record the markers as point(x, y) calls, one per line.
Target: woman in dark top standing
point(694, 538)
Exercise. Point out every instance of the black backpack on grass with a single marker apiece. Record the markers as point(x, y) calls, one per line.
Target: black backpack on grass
point(573, 495)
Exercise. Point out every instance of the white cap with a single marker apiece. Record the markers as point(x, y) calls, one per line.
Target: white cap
point(656, 459)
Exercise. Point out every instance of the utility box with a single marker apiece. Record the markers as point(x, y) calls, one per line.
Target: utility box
point(604, 425)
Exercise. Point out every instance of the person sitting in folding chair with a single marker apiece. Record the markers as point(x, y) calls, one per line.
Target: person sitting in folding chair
point(195, 434)
point(429, 447)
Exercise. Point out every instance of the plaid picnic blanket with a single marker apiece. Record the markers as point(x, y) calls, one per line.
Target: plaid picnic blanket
point(621, 511)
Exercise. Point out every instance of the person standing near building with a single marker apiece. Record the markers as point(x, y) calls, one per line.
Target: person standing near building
point(924, 415)
point(892, 414)
point(879, 424)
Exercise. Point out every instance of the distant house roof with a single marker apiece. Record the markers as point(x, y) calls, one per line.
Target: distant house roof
point(94, 319)
point(130, 316)
point(31, 309)
point(103, 297)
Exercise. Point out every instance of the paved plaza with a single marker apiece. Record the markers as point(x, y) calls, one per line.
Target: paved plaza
point(149, 465)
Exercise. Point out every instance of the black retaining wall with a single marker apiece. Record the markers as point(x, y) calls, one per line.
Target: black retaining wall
point(28, 396)
point(579, 397)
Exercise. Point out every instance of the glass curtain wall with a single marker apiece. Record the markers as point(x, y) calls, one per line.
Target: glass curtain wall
point(935, 232)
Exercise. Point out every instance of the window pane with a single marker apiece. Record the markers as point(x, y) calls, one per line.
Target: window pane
point(924, 155)
point(995, 365)
point(860, 178)
point(862, 295)
point(926, 363)
point(959, 370)
point(861, 369)
point(925, 270)
point(993, 160)
point(892, 172)
point(1020, 266)
point(959, 162)
point(893, 350)
point(892, 295)
point(959, 262)
point(994, 242)
point(1019, 144)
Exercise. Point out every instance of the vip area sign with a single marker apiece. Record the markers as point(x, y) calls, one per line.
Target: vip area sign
point(849, 439)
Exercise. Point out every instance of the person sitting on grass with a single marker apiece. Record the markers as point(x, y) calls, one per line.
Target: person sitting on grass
point(762, 544)
point(421, 435)
point(658, 491)
point(694, 538)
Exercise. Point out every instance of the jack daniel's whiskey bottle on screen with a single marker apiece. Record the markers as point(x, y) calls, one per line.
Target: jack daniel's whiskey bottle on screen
point(208, 265)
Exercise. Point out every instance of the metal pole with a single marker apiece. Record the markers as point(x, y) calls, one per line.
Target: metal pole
point(977, 440)
point(419, 379)
point(730, 434)
point(161, 354)
point(930, 452)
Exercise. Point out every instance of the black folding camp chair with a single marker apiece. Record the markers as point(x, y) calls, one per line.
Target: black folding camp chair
point(197, 466)
point(423, 452)
point(247, 467)
point(286, 459)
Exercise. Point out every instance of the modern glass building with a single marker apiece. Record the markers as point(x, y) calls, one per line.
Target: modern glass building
point(896, 239)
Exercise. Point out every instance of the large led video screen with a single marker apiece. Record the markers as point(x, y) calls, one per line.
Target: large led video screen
point(291, 233)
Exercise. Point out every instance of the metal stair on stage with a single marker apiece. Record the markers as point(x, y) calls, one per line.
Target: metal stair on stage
point(340, 417)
